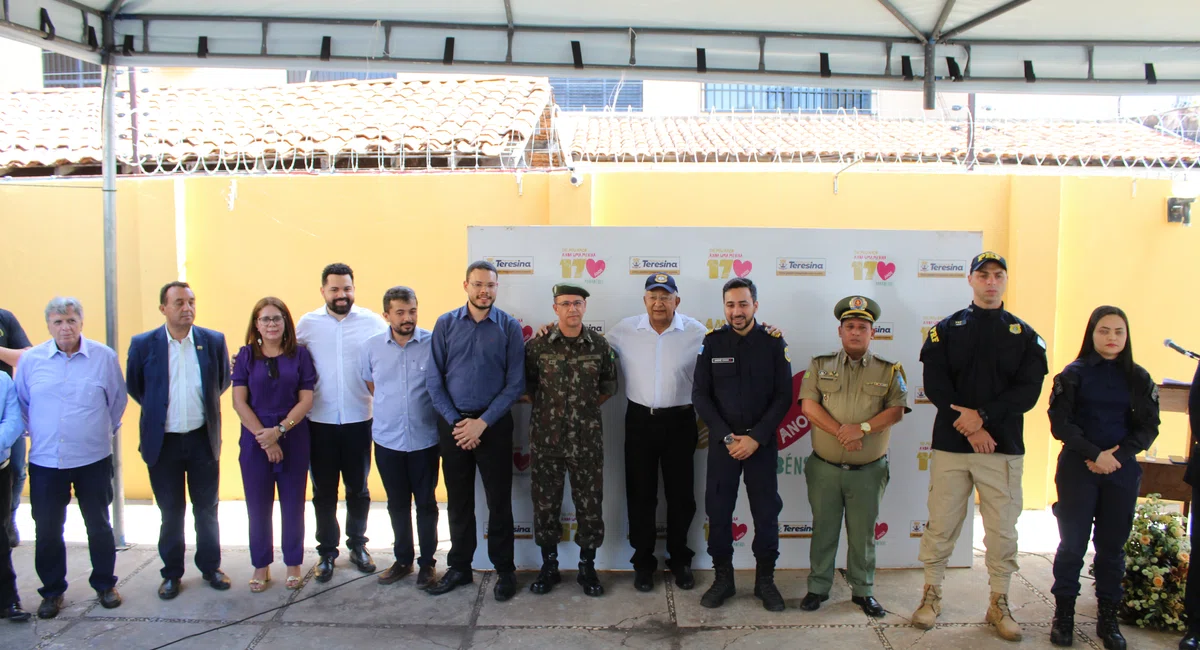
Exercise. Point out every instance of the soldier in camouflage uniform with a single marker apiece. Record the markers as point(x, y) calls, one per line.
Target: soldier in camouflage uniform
point(568, 375)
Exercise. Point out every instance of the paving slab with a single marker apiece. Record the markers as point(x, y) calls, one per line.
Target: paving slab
point(577, 639)
point(745, 609)
point(141, 635)
point(22, 636)
point(319, 637)
point(621, 605)
point(355, 598)
point(826, 638)
point(80, 595)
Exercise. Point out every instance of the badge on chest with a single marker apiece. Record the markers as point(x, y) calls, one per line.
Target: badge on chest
point(722, 360)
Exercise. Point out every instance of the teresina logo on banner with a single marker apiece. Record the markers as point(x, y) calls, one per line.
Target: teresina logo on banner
point(942, 269)
point(512, 265)
point(648, 265)
point(811, 266)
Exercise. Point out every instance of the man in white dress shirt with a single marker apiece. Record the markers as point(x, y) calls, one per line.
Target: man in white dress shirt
point(341, 416)
point(658, 351)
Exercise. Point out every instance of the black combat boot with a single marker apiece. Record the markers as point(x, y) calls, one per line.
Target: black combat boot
point(1062, 628)
point(548, 576)
point(764, 586)
point(722, 587)
point(1106, 626)
point(587, 573)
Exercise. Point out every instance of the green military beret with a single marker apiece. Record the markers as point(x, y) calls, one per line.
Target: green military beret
point(568, 289)
point(857, 307)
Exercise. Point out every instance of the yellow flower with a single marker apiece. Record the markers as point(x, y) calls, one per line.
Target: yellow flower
point(1184, 556)
point(1176, 531)
point(1158, 583)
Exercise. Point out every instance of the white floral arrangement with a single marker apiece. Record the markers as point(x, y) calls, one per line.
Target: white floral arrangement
point(1156, 566)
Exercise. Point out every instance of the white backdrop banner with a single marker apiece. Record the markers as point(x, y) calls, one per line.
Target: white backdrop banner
point(917, 277)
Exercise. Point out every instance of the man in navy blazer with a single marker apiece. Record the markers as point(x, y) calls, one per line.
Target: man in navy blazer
point(177, 374)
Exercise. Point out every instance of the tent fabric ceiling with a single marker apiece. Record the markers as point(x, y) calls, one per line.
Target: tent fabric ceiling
point(1105, 46)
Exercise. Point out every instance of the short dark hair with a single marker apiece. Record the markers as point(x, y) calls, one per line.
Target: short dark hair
point(403, 294)
point(162, 295)
point(740, 283)
point(337, 268)
point(482, 265)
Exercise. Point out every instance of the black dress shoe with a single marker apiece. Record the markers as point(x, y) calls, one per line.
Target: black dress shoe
point(451, 580)
point(643, 580)
point(683, 577)
point(506, 586)
point(50, 607)
point(394, 573)
point(324, 572)
point(14, 613)
point(869, 605)
point(425, 577)
point(360, 558)
point(812, 602)
point(1190, 641)
point(109, 598)
point(169, 588)
point(217, 580)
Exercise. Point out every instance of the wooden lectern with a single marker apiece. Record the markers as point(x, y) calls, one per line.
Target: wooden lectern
point(1161, 475)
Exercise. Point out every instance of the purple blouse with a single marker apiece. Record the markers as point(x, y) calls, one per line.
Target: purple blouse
point(272, 399)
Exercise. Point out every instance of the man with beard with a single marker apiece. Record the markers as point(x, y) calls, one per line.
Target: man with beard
point(478, 372)
point(742, 389)
point(177, 373)
point(340, 417)
point(394, 366)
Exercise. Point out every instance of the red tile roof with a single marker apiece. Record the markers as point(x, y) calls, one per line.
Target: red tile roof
point(465, 117)
point(830, 138)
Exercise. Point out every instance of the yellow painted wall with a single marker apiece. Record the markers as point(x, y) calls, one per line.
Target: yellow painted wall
point(1073, 243)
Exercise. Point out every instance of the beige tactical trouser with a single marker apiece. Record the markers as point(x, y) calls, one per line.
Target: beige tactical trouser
point(952, 479)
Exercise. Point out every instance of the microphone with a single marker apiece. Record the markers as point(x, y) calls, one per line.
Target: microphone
point(1187, 353)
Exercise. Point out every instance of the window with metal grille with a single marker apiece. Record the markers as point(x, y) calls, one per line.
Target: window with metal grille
point(62, 71)
point(574, 94)
point(308, 76)
point(745, 97)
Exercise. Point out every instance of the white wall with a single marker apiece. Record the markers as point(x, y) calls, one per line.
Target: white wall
point(22, 66)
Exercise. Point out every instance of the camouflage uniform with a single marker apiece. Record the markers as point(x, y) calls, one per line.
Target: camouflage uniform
point(566, 378)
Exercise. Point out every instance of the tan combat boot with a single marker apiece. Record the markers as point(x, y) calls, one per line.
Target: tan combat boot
point(931, 605)
point(999, 616)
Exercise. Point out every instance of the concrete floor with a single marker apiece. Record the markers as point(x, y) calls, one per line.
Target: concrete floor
point(353, 611)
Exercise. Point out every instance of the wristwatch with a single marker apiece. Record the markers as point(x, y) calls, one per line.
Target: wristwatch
point(866, 427)
point(282, 429)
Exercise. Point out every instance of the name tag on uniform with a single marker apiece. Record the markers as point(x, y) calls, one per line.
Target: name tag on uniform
point(589, 357)
point(722, 360)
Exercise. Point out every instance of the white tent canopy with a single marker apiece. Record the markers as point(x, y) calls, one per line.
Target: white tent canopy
point(1092, 46)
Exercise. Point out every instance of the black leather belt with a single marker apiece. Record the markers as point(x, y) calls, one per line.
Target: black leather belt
point(471, 415)
point(666, 410)
point(847, 466)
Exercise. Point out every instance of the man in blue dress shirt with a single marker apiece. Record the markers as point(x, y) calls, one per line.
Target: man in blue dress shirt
point(394, 365)
point(72, 395)
point(478, 371)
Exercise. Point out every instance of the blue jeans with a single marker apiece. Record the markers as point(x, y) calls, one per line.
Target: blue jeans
point(16, 463)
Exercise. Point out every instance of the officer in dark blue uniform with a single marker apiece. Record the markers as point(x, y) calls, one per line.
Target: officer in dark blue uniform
point(1104, 409)
point(742, 389)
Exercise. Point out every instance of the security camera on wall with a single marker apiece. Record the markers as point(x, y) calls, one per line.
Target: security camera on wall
point(576, 178)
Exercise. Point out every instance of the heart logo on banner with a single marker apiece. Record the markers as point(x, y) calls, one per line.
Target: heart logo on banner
point(741, 268)
point(739, 531)
point(521, 461)
point(795, 424)
point(880, 530)
point(526, 333)
point(595, 267)
point(885, 270)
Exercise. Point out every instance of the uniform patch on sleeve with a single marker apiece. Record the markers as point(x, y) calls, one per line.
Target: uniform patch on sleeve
point(1154, 393)
point(785, 354)
point(933, 334)
point(1042, 342)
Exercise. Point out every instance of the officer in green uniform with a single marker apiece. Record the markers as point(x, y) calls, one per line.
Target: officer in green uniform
point(853, 398)
point(568, 375)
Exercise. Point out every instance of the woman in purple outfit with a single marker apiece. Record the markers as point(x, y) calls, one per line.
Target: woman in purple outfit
point(273, 379)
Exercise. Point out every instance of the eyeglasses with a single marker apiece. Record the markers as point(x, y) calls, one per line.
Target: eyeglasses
point(490, 286)
point(270, 320)
point(661, 300)
point(572, 304)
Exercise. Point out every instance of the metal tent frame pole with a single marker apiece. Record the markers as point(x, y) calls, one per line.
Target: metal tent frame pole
point(109, 168)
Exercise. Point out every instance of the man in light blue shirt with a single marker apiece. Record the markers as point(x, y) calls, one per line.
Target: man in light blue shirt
point(72, 394)
point(394, 366)
point(12, 426)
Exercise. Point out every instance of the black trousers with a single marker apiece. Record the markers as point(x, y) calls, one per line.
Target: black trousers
point(8, 577)
point(340, 450)
point(49, 494)
point(1096, 506)
point(725, 473)
point(493, 457)
point(409, 475)
point(666, 440)
point(187, 459)
point(1191, 597)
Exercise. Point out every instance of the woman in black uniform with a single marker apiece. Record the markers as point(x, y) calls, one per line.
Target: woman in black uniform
point(1104, 409)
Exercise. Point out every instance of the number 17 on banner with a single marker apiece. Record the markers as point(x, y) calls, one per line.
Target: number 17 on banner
point(573, 268)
